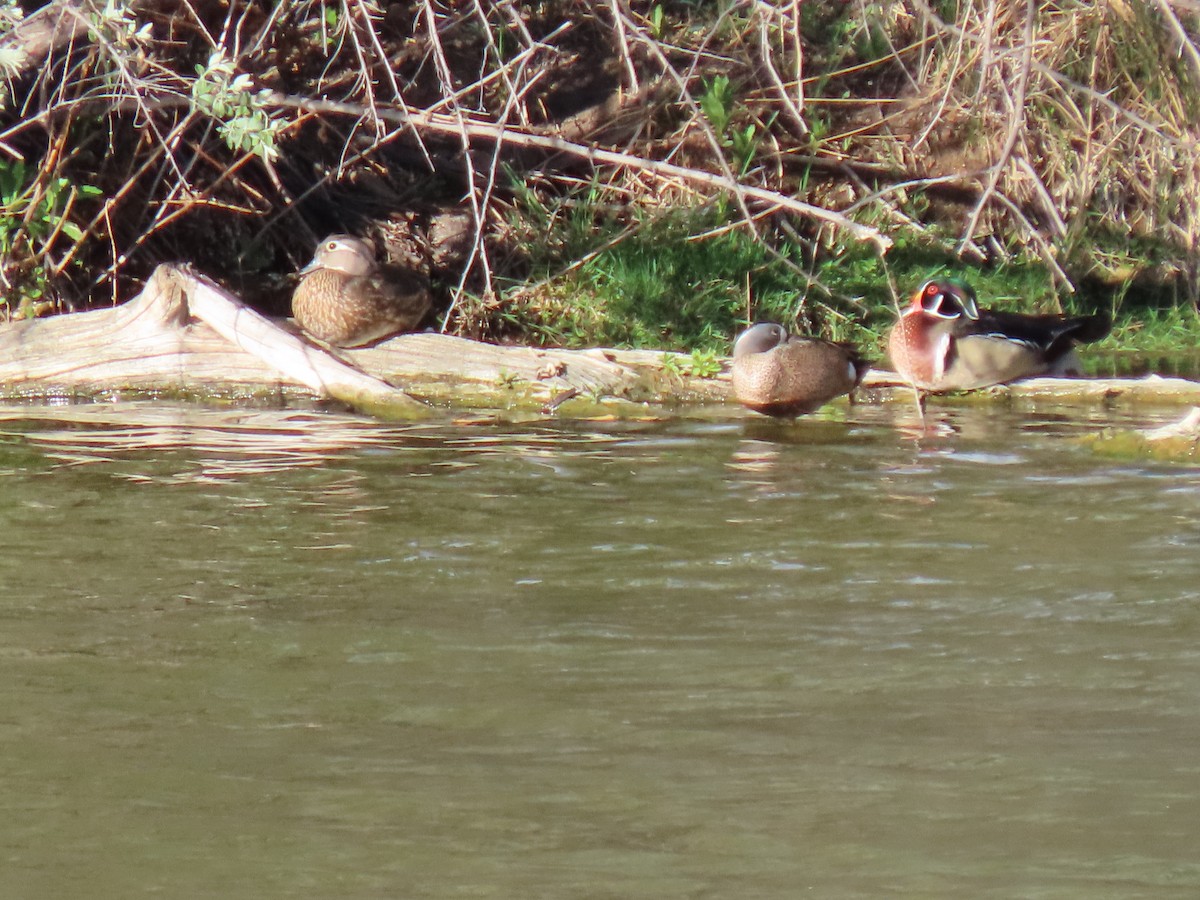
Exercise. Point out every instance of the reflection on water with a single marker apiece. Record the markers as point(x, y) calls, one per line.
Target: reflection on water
point(329, 658)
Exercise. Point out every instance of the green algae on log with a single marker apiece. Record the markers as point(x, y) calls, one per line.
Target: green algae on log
point(184, 336)
point(1146, 389)
point(1178, 442)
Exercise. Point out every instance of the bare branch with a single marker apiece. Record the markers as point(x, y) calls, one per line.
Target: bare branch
point(491, 132)
point(792, 108)
point(1017, 122)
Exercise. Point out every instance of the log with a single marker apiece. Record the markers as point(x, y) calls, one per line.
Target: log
point(1177, 442)
point(1146, 389)
point(1187, 428)
point(185, 336)
point(288, 353)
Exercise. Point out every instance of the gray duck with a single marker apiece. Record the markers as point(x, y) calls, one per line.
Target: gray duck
point(782, 374)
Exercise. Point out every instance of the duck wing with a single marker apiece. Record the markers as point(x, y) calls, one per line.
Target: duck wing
point(1050, 334)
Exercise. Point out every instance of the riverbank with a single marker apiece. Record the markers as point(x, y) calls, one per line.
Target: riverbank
point(185, 336)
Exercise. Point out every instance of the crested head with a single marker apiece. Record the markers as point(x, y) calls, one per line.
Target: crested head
point(944, 298)
point(759, 339)
point(343, 253)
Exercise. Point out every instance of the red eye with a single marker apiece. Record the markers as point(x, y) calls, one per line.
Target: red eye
point(332, 245)
point(931, 290)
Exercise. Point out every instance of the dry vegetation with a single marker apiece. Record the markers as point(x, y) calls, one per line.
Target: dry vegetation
point(534, 157)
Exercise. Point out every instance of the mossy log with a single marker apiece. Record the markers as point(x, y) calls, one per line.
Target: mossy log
point(1177, 442)
point(1058, 391)
point(185, 336)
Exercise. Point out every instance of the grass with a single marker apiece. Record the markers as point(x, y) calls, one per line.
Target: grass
point(1172, 330)
point(677, 280)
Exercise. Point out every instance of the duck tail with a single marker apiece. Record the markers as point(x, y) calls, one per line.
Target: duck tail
point(1088, 329)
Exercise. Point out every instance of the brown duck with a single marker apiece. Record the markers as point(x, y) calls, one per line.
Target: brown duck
point(345, 299)
point(781, 374)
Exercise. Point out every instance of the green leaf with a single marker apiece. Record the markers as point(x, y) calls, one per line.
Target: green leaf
point(715, 103)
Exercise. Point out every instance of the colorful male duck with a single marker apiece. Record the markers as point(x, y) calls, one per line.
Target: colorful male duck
point(945, 342)
point(345, 299)
point(781, 374)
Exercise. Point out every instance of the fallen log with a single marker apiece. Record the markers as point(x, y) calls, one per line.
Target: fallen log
point(182, 333)
point(1145, 389)
point(184, 336)
point(1177, 442)
point(288, 353)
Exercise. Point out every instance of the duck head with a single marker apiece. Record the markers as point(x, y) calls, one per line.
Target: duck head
point(343, 253)
point(944, 298)
point(760, 338)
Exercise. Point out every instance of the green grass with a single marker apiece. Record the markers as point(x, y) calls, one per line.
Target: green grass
point(1174, 329)
point(677, 280)
point(671, 284)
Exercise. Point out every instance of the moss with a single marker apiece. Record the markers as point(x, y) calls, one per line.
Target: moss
point(1126, 444)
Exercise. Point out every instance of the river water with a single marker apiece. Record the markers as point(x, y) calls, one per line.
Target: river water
point(302, 655)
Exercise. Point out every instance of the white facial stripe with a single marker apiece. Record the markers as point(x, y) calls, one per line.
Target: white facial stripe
point(937, 308)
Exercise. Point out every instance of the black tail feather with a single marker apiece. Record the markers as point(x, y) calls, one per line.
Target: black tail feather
point(1054, 334)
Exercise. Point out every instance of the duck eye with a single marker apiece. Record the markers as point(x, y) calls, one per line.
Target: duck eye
point(331, 245)
point(931, 290)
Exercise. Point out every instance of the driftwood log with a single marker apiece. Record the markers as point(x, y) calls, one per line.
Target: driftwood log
point(1177, 442)
point(1145, 390)
point(186, 336)
point(183, 335)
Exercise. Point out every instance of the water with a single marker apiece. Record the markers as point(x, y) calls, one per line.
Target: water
point(311, 656)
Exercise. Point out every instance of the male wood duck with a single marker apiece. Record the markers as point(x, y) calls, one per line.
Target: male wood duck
point(945, 342)
point(781, 374)
point(345, 299)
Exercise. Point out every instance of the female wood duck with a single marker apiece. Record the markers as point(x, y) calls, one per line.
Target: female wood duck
point(945, 342)
point(780, 374)
point(345, 299)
